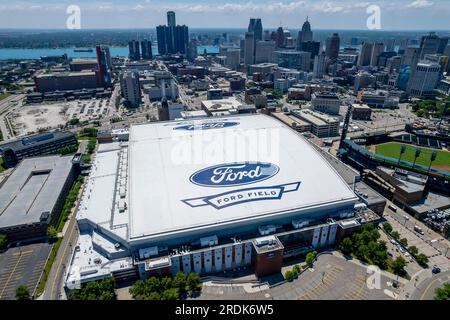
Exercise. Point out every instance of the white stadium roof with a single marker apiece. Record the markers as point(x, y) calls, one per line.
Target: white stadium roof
point(171, 194)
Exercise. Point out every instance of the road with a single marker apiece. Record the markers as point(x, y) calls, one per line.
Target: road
point(70, 235)
point(5, 105)
point(425, 291)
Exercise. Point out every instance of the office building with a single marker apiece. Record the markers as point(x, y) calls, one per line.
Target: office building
point(304, 35)
point(130, 88)
point(265, 51)
point(65, 81)
point(411, 57)
point(128, 230)
point(424, 79)
point(77, 65)
point(35, 145)
point(361, 112)
point(429, 44)
point(377, 50)
point(172, 39)
point(249, 57)
point(312, 47)
point(233, 58)
point(146, 49)
point(192, 50)
point(322, 125)
point(332, 46)
point(105, 66)
point(325, 102)
point(319, 65)
point(293, 59)
point(32, 197)
point(255, 26)
point(134, 52)
point(365, 54)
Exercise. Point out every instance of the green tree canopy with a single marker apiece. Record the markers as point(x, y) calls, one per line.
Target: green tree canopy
point(398, 266)
point(96, 290)
point(3, 241)
point(22, 293)
point(387, 227)
point(346, 246)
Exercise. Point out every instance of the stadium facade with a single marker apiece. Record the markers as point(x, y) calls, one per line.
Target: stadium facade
point(153, 206)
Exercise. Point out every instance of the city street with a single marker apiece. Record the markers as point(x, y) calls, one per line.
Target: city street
point(5, 106)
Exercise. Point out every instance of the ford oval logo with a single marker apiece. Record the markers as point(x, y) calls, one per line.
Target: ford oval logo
point(234, 174)
point(207, 125)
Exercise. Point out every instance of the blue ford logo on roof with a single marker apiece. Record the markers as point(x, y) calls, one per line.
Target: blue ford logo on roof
point(234, 174)
point(207, 125)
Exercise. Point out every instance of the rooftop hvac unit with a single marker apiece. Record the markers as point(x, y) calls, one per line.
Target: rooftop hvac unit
point(360, 206)
point(267, 229)
point(300, 223)
point(266, 241)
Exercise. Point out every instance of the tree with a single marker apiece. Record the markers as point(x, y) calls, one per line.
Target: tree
point(413, 250)
point(180, 282)
point(296, 269)
point(3, 241)
point(310, 257)
point(395, 235)
point(170, 294)
point(346, 246)
point(421, 259)
point(442, 293)
point(398, 266)
point(387, 227)
point(96, 290)
point(22, 293)
point(52, 233)
point(193, 281)
point(289, 275)
point(403, 242)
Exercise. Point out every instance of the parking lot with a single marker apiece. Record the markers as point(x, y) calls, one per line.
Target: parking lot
point(414, 239)
point(22, 266)
point(332, 277)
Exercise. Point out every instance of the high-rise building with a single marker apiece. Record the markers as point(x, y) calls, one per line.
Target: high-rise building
point(130, 88)
point(390, 45)
point(104, 74)
point(299, 60)
point(424, 79)
point(172, 39)
point(305, 34)
point(365, 54)
point(192, 50)
point(134, 52)
point(280, 37)
point(411, 56)
point(319, 65)
point(171, 22)
point(249, 51)
point(233, 58)
point(146, 49)
point(429, 44)
point(332, 46)
point(264, 51)
point(377, 50)
point(443, 41)
point(312, 47)
point(255, 26)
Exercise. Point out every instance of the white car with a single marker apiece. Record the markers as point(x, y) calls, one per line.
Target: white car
point(406, 217)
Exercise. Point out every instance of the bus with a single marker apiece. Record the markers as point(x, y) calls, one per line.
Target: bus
point(393, 208)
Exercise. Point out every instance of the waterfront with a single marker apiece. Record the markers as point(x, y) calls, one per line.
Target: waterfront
point(23, 54)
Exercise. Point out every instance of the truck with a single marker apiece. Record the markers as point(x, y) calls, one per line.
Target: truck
point(393, 208)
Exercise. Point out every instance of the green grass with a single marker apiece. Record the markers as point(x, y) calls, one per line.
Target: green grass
point(2, 168)
point(392, 149)
point(48, 267)
point(4, 95)
point(68, 204)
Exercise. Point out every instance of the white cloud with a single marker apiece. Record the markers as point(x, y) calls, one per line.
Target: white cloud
point(420, 4)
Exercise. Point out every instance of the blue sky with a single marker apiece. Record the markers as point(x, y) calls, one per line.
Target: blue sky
point(324, 14)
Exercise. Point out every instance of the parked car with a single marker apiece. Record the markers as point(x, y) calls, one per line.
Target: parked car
point(436, 269)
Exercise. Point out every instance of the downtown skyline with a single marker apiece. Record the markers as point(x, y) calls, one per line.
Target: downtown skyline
point(137, 14)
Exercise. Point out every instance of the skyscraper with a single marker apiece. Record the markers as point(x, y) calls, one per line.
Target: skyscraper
point(134, 52)
point(105, 67)
point(264, 51)
point(171, 22)
point(172, 39)
point(192, 50)
point(319, 65)
point(332, 46)
point(424, 79)
point(249, 50)
point(365, 54)
point(312, 47)
point(255, 26)
point(429, 44)
point(305, 34)
point(280, 37)
point(377, 50)
point(443, 41)
point(146, 49)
